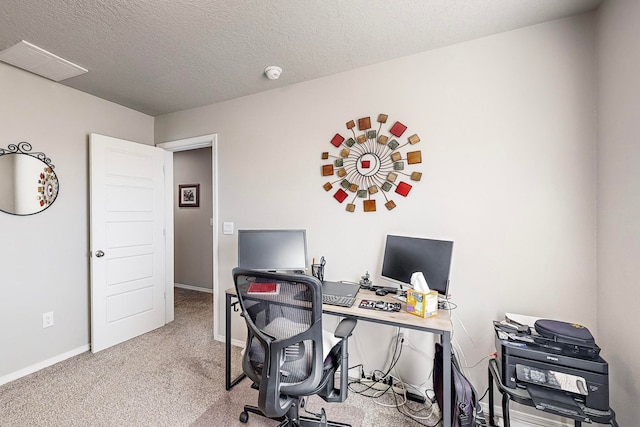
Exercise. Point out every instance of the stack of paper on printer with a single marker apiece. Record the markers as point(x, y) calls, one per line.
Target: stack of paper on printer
point(518, 323)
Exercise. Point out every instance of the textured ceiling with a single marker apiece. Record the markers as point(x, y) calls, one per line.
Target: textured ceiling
point(160, 56)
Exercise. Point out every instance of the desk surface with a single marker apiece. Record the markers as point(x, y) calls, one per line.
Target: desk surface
point(438, 324)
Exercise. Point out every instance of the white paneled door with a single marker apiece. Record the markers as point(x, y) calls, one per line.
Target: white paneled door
point(127, 240)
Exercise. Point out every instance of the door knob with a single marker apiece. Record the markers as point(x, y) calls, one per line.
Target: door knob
point(99, 253)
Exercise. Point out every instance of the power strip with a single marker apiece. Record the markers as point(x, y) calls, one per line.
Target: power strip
point(380, 386)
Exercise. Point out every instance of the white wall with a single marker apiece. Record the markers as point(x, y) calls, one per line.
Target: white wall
point(44, 258)
point(509, 173)
point(618, 206)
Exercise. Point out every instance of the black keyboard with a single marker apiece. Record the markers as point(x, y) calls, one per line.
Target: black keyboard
point(337, 300)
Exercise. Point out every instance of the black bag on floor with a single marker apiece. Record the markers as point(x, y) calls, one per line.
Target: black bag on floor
point(465, 408)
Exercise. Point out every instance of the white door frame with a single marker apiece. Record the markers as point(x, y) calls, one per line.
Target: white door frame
point(193, 143)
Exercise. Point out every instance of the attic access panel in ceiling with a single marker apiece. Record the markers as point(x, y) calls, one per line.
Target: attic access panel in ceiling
point(39, 61)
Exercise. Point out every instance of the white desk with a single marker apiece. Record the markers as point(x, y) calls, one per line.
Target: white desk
point(439, 325)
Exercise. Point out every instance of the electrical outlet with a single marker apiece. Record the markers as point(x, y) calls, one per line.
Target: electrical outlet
point(401, 337)
point(47, 319)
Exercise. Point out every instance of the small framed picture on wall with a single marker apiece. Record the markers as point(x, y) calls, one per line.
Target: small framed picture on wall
point(189, 195)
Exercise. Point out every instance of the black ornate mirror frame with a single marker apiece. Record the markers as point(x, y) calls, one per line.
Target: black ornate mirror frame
point(45, 184)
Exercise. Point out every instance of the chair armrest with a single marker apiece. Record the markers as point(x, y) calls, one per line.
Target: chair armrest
point(345, 328)
point(339, 355)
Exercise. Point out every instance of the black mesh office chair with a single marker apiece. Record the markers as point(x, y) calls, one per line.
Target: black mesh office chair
point(284, 351)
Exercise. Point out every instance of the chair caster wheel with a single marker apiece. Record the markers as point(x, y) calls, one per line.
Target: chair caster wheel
point(244, 417)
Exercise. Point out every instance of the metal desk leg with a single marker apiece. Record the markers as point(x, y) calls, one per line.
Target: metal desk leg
point(492, 421)
point(505, 409)
point(227, 342)
point(446, 372)
point(227, 348)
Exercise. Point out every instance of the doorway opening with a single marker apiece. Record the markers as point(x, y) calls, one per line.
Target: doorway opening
point(203, 253)
point(192, 220)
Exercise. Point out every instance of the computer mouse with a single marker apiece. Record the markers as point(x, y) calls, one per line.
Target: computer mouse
point(381, 305)
point(381, 292)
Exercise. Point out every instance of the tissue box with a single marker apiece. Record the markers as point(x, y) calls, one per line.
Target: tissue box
point(423, 304)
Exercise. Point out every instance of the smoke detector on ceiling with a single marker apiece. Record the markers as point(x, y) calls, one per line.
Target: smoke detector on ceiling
point(273, 72)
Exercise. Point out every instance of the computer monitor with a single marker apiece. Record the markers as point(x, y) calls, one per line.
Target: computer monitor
point(404, 256)
point(273, 250)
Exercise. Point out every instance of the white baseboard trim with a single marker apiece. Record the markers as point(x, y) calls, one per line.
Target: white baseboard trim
point(193, 288)
point(234, 342)
point(41, 365)
point(238, 343)
point(522, 419)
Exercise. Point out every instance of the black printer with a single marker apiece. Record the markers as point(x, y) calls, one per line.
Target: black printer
point(565, 378)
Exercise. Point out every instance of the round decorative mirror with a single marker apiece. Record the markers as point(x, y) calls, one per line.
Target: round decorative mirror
point(28, 184)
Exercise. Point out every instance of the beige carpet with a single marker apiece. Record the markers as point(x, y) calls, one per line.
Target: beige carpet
point(173, 376)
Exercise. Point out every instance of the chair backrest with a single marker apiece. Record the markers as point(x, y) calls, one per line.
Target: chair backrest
point(283, 353)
